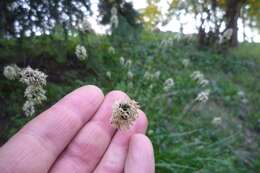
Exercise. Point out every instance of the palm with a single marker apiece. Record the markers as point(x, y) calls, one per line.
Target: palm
point(74, 135)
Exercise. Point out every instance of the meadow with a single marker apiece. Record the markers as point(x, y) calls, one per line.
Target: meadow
point(220, 134)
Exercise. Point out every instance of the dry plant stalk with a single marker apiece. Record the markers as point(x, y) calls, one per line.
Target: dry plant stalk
point(124, 113)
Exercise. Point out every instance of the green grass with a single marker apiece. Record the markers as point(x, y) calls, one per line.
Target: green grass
point(183, 142)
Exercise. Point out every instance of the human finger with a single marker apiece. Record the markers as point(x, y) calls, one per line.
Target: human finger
point(85, 151)
point(36, 146)
point(140, 156)
point(115, 156)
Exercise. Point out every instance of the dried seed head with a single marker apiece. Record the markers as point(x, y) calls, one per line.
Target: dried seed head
point(124, 113)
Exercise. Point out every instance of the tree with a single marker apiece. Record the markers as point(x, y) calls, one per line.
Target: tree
point(19, 18)
point(217, 13)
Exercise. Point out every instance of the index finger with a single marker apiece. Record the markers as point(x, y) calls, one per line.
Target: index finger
point(41, 141)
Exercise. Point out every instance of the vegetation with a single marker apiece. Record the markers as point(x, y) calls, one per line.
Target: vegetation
point(19, 18)
point(221, 135)
point(214, 17)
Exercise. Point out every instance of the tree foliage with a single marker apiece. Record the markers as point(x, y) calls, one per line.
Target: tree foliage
point(125, 10)
point(150, 15)
point(27, 17)
point(217, 14)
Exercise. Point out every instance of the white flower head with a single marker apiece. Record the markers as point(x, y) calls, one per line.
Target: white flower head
point(114, 21)
point(81, 52)
point(151, 86)
point(197, 75)
point(128, 63)
point(11, 72)
point(130, 74)
point(241, 93)
point(216, 121)
point(204, 82)
point(124, 113)
point(203, 96)
point(29, 108)
point(111, 50)
point(108, 74)
point(157, 74)
point(148, 75)
point(113, 10)
point(122, 61)
point(130, 84)
point(242, 96)
point(114, 18)
point(35, 80)
point(168, 84)
point(244, 100)
point(35, 94)
point(30, 76)
point(186, 62)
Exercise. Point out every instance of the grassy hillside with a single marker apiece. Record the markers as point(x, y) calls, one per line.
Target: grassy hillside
point(184, 134)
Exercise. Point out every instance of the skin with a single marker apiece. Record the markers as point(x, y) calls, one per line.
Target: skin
point(75, 136)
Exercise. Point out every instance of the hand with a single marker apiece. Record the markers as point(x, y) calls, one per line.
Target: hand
point(75, 135)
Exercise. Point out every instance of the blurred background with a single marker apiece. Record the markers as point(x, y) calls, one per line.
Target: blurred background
point(193, 65)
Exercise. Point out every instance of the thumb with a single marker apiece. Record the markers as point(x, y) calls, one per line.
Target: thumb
point(140, 156)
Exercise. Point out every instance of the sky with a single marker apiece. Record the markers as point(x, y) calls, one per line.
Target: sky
point(188, 20)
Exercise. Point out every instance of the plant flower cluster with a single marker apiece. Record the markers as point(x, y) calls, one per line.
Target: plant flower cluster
point(35, 80)
point(199, 77)
point(81, 52)
point(34, 93)
point(216, 121)
point(111, 50)
point(12, 72)
point(203, 96)
point(168, 84)
point(127, 64)
point(185, 62)
point(152, 76)
point(242, 96)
